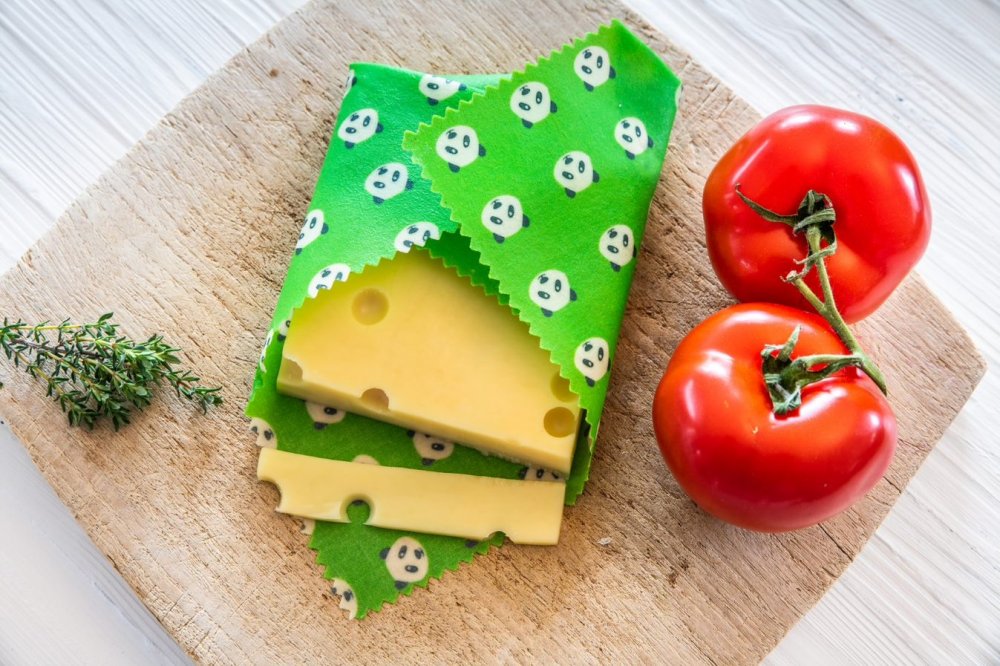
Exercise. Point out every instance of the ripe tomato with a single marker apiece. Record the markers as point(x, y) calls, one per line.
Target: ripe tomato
point(713, 420)
point(883, 216)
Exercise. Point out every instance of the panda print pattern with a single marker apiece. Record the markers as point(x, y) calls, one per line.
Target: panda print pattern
point(326, 277)
point(459, 146)
point(348, 600)
point(631, 135)
point(504, 217)
point(575, 172)
point(263, 351)
point(314, 227)
point(324, 415)
point(387, 181)
point(532, 473)
point(416, 235)
point(532, 103)
point(406, 561)
point(264, 433)
point(592, 359)
point(593, 66)
point(618, 246)
point(359, 127)
point(437, 88)
point(551, 292)
point(431, 449)
point(283, 330)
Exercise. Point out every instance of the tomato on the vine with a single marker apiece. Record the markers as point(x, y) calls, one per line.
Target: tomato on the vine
point(883, 216)
point(714, 420)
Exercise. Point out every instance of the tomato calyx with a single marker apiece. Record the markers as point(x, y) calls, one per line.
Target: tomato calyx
point(815, 214)
point(785, 378)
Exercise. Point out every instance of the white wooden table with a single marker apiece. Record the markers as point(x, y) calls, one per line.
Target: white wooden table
point(81, 80)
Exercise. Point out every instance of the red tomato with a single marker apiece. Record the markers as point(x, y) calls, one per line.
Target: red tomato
point(735, 458)
point(883, 216)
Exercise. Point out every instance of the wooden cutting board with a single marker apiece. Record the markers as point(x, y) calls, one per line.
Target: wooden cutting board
point(189, 235)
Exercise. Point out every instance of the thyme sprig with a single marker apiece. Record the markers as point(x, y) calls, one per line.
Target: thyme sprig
point(93, 372)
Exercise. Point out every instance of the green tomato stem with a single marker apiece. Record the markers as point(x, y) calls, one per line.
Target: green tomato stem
point(827, 308)
point(785, 378)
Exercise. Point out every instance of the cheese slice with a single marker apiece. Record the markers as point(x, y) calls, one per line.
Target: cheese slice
point(461, 505)
point(412, 343)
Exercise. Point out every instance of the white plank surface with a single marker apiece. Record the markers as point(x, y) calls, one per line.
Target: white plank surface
point(82, 80)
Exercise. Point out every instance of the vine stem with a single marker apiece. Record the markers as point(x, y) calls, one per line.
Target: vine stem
point(827, 308)
point(786, 377)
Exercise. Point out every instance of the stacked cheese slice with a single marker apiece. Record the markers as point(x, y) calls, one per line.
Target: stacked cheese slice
point(411, 343)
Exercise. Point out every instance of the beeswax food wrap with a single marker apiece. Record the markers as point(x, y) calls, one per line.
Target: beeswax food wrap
point(574, 143)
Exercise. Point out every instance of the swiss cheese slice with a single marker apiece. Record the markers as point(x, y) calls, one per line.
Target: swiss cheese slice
point(461, 505)
point(410, 342)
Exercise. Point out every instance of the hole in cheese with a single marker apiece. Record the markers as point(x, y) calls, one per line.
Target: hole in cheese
point(358, 509)
point(559, 422)
point(375, 398)
point(561, 389)
point(291, 370)
point(370, 306)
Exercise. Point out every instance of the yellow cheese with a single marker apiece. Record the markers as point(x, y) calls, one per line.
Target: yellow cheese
point(461, 505)
point(410, 342)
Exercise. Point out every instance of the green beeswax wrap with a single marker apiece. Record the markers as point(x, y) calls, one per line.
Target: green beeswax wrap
point(550, 176)
point(555, 241)
point(352, 223)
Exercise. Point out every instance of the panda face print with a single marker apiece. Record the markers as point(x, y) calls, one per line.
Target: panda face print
point(592, 359)
point(504, 217)
point(352, 78)
point(532, 473)
point(618, 246)
point(593, 66)
point(531, 103)
point(264, 433)
point(438, 88)
point(430, 448)
point(348, 600)
point(459, 147)
point(326, 277)
point(575, 172)
point(406, 561)
point(263, 352)
point(314, 227)
point(631, 135)
point(359, 126)
point(551, 292)
point(363, 459)
point(324, 415)
point(416, 235)
point(387, 181)
point(283, 330)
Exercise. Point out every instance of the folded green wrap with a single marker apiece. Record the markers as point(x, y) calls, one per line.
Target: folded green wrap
point(548, 172)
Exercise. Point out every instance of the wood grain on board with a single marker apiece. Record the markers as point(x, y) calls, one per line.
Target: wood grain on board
point(189, 235)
